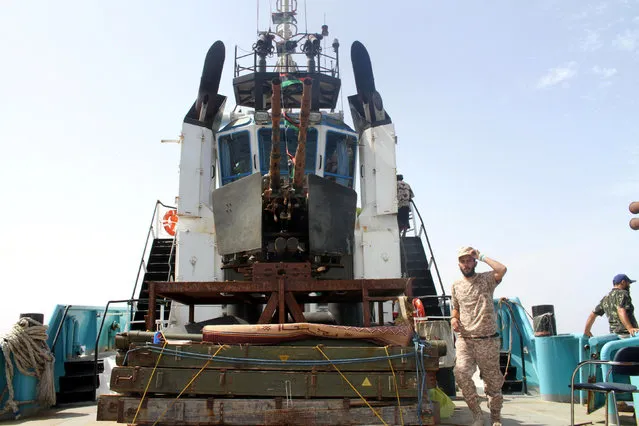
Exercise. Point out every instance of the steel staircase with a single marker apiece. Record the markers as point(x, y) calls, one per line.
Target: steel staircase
point(159, 267)
point(415, 264)
point(512, 384)
point(156, 264)
point(419, 264)
point(80, 380)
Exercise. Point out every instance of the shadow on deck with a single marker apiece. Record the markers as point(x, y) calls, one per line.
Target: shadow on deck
point(532, 411)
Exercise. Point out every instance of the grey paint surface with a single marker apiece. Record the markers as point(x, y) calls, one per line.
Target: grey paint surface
point(331, 216)
point(237, 210)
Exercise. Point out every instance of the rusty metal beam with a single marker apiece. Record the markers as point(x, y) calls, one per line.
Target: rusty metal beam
point(195, 288)
point(296, 311)
point(300, 153)
point(150, 317)
point(366, 307)
point(276, 155)
point(281, 302)
point(269, 310)
point(276, 281)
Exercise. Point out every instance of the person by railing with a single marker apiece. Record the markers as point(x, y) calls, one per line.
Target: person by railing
point(404, 197)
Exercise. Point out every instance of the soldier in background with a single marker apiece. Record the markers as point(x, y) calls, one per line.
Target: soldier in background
point(478, 343)
point(404, 197)
point(617, 305)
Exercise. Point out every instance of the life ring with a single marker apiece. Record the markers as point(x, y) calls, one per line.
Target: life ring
point(169, 221)
point(419, 308)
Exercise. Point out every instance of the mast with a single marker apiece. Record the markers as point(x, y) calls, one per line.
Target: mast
point(286, 28)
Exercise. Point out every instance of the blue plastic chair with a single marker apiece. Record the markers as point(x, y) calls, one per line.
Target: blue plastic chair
point(626, 362)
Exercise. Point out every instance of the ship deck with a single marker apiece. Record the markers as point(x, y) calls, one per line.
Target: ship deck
point(518, 410)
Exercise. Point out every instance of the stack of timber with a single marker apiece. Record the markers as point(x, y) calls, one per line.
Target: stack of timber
point(185, 380)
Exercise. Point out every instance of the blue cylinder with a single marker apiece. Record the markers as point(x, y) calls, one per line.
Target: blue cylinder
point(557, 357)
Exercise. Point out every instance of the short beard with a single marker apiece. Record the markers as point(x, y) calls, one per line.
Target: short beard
point(468, 274)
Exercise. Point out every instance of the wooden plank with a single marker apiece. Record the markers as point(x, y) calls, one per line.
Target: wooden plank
point(243, 383)
point(201, 411)
point(142, 355)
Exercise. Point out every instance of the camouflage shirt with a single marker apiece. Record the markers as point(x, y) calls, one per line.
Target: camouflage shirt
point(473, 298)
point(609, 304)
point(404, 194)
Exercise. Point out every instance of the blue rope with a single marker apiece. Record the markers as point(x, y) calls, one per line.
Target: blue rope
point(419, 390)
point(420, 345)
point(233, 360)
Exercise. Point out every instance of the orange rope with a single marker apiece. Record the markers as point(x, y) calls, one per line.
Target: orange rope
point(399, 404)
point(353, 387)
point(189, 384)
point(149, 382)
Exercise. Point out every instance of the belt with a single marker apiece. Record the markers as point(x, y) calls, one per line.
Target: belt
point(481, 337)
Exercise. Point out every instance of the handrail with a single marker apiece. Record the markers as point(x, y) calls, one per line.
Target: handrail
point(57, 332)
point(97, 339)
point(430, 248)
point(521, 347)
point(173, 246)
point(149, 234)
point(300, 68)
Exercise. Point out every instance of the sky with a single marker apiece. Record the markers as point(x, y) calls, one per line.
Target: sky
point(516, 126)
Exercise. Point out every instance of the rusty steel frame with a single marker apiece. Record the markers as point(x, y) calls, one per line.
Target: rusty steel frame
point(285, 285)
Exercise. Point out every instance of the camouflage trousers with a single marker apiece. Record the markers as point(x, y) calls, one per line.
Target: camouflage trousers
point(482, 353)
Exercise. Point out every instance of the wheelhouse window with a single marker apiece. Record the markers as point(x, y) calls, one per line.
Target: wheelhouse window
point(235, 156)
point(288, 139)
point(340, 158)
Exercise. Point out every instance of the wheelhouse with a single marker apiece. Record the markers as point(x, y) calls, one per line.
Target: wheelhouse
point(244, 147)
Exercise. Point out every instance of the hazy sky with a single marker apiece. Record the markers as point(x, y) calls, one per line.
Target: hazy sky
point(516, 121)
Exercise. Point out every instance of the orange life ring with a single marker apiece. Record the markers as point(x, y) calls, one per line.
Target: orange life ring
point(169, 221)
point(419, 308)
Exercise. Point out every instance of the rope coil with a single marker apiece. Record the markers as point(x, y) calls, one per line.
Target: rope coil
point(25, 345)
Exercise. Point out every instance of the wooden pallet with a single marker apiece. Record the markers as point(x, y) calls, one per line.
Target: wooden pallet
point(273, 411)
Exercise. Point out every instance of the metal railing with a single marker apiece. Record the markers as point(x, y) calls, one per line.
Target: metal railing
point(419, 229)
point(301, 67)
point(57, 332)
point(159, 322)
point(151, 235)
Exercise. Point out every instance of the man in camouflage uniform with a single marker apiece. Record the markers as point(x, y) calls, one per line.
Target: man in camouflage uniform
point(617, 305)
point(404, 196)
point(478, 343)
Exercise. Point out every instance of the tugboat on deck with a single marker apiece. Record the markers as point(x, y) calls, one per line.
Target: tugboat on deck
point(270, 308)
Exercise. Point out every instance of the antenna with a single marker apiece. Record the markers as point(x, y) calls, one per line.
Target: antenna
point(285, 27)
point(325, 44)
point(305, 18)
point(257, 19)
